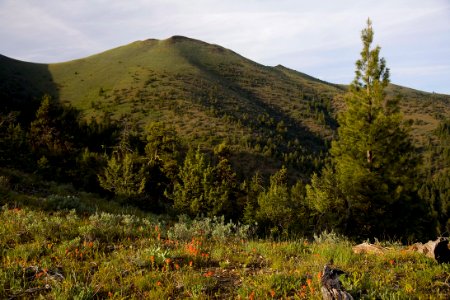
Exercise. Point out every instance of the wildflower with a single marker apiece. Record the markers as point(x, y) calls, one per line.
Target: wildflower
point(208, 274)
point(177, 266)
point(392, 262)
point(158, 283)
point(190, 263)
point(252, 295)
point(319, 276)
point(91, 244)
point(308, 281)
point(168, 260)
point(152, 259)
point(272, 293)
point(110, 295)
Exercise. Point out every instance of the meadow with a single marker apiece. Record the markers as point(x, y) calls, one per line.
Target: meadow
point(80, 251)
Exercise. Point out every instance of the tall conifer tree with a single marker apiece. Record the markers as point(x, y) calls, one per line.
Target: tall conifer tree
point(369, 187)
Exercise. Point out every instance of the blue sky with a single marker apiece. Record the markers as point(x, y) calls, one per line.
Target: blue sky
point(320, 38)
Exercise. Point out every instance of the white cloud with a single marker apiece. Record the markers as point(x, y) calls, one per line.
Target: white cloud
point(317, 37)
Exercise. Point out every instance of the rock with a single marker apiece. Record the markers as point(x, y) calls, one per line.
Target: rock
point(437, 250)
point(368, 248)
point(331, 286)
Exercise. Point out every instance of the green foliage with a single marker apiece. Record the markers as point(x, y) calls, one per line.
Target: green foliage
point(436, 188)
point(275, 206)
point(251, 191)
point(124, 175)
point(202, 188)
point(369, 188)
point(13, 148)
point(62, 255)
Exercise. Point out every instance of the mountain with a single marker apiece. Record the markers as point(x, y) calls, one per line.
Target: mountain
point(269, 116)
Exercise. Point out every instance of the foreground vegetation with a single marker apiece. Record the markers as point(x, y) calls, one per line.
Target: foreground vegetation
point(65, 255)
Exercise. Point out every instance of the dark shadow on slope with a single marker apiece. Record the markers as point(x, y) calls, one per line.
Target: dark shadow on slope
point(22, 85)
point(296, 131)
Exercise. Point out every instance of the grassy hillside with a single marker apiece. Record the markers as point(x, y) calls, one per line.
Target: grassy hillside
point(268, 115)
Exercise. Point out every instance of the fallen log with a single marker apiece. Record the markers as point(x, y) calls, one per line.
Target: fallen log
point(437, 250)
point(368, 249)
point(331, 286)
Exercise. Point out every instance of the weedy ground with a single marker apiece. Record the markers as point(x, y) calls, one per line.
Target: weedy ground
point(57, 243)
point(65, 255)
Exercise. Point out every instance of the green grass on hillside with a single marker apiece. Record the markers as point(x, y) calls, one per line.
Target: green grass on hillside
point(270, 115)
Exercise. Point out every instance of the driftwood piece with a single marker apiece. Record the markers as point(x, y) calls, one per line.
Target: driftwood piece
point(437, 250)
point(331, 286)
point(368, 248)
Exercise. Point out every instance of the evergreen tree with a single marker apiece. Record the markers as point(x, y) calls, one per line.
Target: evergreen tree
point(436, 188)
point(203, 188)
point(126, 172)
point(191, 192)
point(275, 207)
point(13, 148)
point(369, 187)
point(124, 175)
point(251, 190)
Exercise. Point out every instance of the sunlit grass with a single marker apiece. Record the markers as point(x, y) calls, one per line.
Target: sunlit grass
point(62, 255)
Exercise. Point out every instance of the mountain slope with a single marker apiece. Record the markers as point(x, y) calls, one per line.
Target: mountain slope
point(268, 115)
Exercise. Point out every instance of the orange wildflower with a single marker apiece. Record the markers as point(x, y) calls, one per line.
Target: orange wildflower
point(168, 260)
point(308, 281)
point(251, 296)
point(208, 274)
point(158, 283)
point(190, 263)
point(272, 293)
point(152, 259)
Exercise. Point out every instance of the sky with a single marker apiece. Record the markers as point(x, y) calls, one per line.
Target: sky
point(317, 37)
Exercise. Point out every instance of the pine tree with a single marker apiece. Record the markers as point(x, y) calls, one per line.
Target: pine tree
point(190, 194)
point(275, 206)
point(369, 187)
point(203, 189)
point(123, 175)
point(126, 171)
